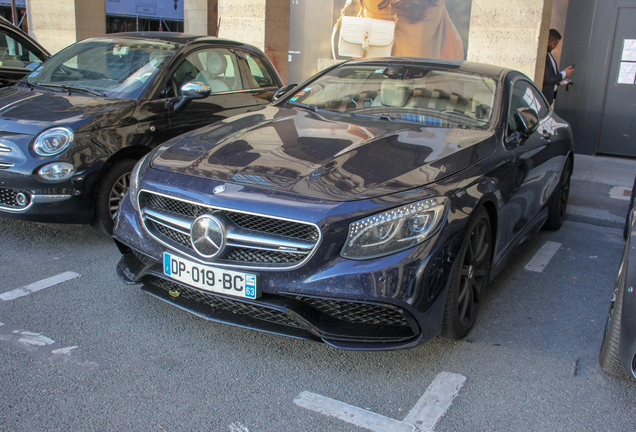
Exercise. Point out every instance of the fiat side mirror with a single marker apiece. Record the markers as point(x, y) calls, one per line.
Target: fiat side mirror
point(190, 91)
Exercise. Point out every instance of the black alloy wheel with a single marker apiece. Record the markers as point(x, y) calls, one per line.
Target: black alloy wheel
point(469, 279)
point(559, 201)
point(110, 192)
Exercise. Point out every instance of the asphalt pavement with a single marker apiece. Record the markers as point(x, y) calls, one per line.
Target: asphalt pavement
point(600, 190)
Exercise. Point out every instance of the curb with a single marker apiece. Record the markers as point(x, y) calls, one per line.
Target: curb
point(594, 217)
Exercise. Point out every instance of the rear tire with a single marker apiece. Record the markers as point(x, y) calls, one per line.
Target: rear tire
point(469, 279)
point(608, 358)
point(110, 191)
point(559, 200)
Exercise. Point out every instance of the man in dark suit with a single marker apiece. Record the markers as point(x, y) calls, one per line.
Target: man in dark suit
point(552, 77)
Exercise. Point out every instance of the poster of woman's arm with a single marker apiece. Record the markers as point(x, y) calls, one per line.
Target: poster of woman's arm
point(424, 27)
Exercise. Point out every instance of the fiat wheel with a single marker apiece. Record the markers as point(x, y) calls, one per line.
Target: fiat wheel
point(110, 192)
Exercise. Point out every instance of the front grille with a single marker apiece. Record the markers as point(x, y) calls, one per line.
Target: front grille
point(258, 312)
point(145, 259)
point(7, 198)
point(243, 220)
point(359, 313)
point(277, 231)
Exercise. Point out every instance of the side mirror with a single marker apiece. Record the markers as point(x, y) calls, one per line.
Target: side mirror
point(283, 91)
point(526, 121)
point(190, 91)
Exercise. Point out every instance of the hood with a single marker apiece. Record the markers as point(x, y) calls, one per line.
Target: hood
point(27, 111)
point(324, 155)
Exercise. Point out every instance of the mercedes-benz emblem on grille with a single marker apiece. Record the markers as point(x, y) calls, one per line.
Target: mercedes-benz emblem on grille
point(207, 236)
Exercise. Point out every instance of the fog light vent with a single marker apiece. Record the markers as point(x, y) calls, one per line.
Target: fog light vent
point(21, 199)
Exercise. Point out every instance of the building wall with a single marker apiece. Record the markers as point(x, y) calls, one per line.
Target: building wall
point(587, 42)
point(511, 33)
point(58, 23)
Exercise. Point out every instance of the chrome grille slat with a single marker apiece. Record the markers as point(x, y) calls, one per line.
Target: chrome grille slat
point(253, 239)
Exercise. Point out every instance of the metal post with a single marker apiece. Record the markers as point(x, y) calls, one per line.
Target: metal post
point(14, 13)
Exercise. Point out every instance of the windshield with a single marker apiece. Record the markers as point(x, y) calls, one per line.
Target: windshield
point(403, 92)
point(117, 68)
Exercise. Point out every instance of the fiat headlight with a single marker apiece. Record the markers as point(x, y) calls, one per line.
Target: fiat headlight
point(53, 141)
point(395, 230)
point(135, 180)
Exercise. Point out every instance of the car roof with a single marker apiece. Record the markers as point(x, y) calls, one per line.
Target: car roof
point(171, 37)
point(464, 66)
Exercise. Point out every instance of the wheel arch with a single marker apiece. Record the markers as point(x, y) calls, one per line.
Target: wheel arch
point(134, 152)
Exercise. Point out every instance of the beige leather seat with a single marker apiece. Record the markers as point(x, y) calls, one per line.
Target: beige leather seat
point(216, 66)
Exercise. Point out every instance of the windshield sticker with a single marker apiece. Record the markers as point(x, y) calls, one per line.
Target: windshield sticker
point(308, 89)
point(379, 71)
point(34, 74)
point(294, 99)
point(489, 81)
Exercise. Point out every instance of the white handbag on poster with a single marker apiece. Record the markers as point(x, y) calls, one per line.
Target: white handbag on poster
point(363, 37)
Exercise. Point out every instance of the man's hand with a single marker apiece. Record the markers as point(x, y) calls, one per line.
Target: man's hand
point(568, 71)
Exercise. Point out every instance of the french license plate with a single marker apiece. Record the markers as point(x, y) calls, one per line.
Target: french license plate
point(213, 279)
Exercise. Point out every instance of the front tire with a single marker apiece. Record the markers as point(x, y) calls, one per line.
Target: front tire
point(469, 279)
point(110, 191)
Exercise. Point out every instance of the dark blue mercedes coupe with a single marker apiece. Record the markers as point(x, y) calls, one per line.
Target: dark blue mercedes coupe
point(368, 207)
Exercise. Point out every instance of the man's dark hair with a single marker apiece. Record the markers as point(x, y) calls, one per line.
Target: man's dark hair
point(555, 35)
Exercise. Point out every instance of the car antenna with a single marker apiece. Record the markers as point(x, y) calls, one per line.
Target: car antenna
point(218, 26)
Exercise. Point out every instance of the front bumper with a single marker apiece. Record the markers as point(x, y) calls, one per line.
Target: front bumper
point(385, 303)
point(23, 197)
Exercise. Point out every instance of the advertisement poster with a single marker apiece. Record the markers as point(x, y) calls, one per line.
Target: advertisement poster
point(421, 28)
point(166, 9)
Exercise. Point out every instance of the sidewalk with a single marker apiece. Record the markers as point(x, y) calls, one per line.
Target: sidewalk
point(600, 190)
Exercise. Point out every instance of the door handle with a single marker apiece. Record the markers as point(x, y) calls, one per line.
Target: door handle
point(547, 136)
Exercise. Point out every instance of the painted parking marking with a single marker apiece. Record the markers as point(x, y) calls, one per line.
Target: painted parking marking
point(39, 285)
point(436, 401)
point(44, 346)
point(426, 413)
point(541, 259)
point(621, 193)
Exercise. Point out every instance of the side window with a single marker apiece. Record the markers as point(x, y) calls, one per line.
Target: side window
point(259, 76)
point(524, 95)
point(14, 54)
point(216, 67)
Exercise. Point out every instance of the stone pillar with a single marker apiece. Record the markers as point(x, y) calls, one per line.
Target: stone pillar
point(58, 23)
point(511, 33)
point(200, 17)
point(262, 23)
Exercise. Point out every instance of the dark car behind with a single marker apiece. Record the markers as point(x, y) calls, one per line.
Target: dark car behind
point(73, 129)
point(20, 54)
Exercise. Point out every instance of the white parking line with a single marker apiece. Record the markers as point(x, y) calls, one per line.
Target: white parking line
point(37, 286)
point(426, 413)
point(436, 401)
point(541, 259)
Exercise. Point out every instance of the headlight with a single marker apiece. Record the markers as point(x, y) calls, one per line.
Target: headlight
point(135, 178)
point(53, 141)
point(395, 230)
point(57, 171)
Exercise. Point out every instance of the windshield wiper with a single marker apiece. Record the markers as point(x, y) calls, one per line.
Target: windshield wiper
point(69, 88)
